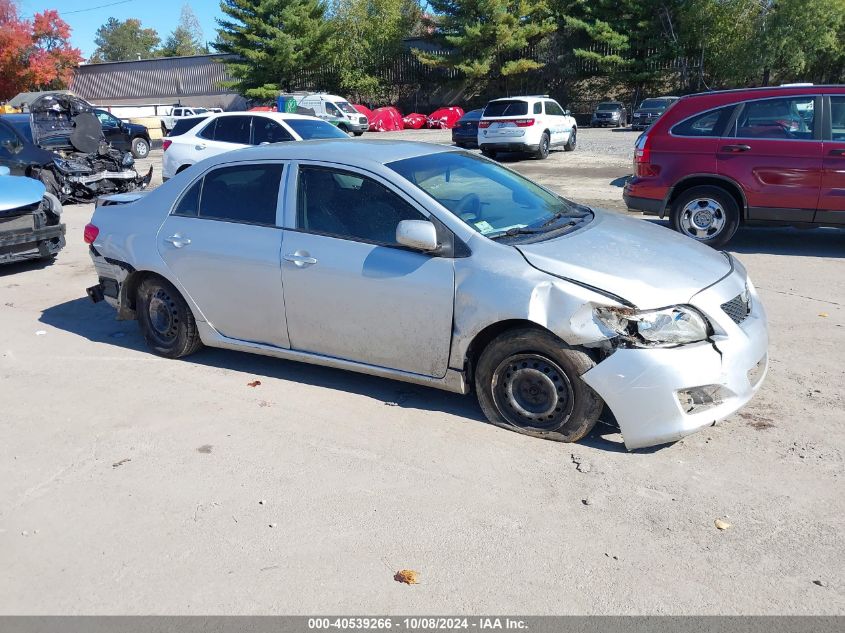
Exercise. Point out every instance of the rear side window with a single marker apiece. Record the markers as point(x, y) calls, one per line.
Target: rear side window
point(266, 130)
point(710, 123)
point(538, 108)
point(242, 193)
point(837, 118)
point(232, 129)
point(509, 107)
point(208, 130)
point(183, 125)
point(783, 118)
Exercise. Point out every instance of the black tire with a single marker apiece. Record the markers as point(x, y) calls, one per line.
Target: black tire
point(164, 130)
point(165, 319)
point(140, 147)
point(489, 153)
point(572, 141)
point(343, 128)
point(543, 147)
point(529, 381)
point(714, 204)
point(358, 133)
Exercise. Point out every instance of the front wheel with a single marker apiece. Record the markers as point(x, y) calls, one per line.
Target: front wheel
point(358, 133)
point(708, 214)
point(529, 381)
point(165, 319)
point(489, 153)
point(573, 140)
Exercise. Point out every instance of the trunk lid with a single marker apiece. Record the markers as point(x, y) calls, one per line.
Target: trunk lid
point(648, 265)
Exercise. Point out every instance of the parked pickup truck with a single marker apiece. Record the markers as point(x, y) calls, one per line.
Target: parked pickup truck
point(168, 121)
point(30, 226)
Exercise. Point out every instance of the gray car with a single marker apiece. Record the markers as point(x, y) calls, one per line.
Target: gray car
point(431, 265)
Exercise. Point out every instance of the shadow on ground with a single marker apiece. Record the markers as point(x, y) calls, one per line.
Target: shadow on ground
point(818, 242)
point(96, 323)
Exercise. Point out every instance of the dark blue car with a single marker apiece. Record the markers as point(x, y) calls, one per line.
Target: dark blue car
point(465, 132)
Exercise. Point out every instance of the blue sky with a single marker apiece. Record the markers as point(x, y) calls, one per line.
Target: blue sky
point(162, 15)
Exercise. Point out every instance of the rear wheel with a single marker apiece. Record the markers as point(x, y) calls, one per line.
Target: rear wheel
point(358, 133)
point(573, 140)
point(140, 147)
point(708, 214)
point(543, 148)
point(529, 381)
point(165, 319)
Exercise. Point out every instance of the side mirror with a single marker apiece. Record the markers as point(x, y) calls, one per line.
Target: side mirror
point(567, 112)
point(420, 235)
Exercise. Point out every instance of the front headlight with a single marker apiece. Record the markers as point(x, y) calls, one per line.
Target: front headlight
point(615, 115)
point(128, 160)
point(676, 325)
point(71, 166)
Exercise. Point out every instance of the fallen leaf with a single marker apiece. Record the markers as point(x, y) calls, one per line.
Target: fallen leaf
point(121, 462)
point(721, 524)
point(205, 449)
point(408, 576)
point(254, 383)
point(823, 315)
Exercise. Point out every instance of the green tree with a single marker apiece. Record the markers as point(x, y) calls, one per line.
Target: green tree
point(489, 38)
point(367, 37)
point(186, 38)
point(274, 40)
point(118, 41)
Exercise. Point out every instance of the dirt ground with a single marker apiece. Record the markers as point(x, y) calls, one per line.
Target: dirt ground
point(131, 484)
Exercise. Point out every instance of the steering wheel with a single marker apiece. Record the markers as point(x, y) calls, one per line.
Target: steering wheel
point(468, 207)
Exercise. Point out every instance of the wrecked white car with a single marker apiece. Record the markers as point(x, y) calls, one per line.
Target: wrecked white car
point(61, 143)
point(434, 266)
point(30, 220)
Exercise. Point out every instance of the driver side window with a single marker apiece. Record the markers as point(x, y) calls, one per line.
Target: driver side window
point(783, 118)
point(350, 206)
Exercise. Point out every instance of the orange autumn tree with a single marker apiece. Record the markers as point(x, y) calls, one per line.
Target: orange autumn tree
point(34, 54)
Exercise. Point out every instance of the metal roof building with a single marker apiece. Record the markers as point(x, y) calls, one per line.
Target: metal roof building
point(192, 80)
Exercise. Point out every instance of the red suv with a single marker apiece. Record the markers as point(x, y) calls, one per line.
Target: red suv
point(763, 155)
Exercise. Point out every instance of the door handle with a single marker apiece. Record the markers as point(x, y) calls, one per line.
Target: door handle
point(177, 240)
point(300, 259)
point(736, 148)
point(837, 152)
point(201, 146)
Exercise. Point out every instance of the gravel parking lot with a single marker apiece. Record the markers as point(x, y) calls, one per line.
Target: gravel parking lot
point(133, 484)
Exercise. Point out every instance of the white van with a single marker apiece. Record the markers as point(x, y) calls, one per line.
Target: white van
point(337, 110)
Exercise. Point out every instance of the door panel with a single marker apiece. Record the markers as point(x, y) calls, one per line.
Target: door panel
point(231, 267)
point(775, 155)
point(373, 304)
point(832, 197)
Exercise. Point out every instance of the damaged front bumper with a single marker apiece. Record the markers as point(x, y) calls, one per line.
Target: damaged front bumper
point(31, 243)
point(663, 394)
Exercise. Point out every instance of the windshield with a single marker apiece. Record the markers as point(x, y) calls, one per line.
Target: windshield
point(345, 106)
point(655, 104)
point(506, 108)
point(309, 129)
point(492, 200)
point(607, 107)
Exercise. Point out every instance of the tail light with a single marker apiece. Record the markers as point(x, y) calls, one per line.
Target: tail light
point(517, 122)
point(642, 158)
point(90, 233)
point(165, 143)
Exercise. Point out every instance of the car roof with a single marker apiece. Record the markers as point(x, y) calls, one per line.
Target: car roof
point(522, 98)
point(279, 116)
point(360, 152)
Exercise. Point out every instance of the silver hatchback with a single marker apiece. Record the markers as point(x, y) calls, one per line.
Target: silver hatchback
point(431, 265)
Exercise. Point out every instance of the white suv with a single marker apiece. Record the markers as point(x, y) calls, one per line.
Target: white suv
point(525, 124)
point(226, 131)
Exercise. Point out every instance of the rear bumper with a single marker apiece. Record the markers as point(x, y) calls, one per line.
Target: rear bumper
point(505, 146)
point(643, 387)
point(649, 206)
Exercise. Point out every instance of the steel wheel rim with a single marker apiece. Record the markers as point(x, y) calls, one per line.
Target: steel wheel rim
point(574, 140)
point(703, 218)
point(163, 316)
point(533, 392)
point(141, 149)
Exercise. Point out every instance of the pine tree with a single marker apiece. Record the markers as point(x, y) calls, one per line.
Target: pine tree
point(274, 40)
point(489, 38)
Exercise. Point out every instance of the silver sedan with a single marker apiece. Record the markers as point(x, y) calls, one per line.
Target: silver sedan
point(430, 265)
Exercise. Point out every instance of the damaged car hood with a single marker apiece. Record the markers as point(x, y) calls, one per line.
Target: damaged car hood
point(646, 265)
point(61, 121)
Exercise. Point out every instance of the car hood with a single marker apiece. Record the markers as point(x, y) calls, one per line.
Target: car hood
point(65, 122)
point(17, 192)
point(647, 265)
